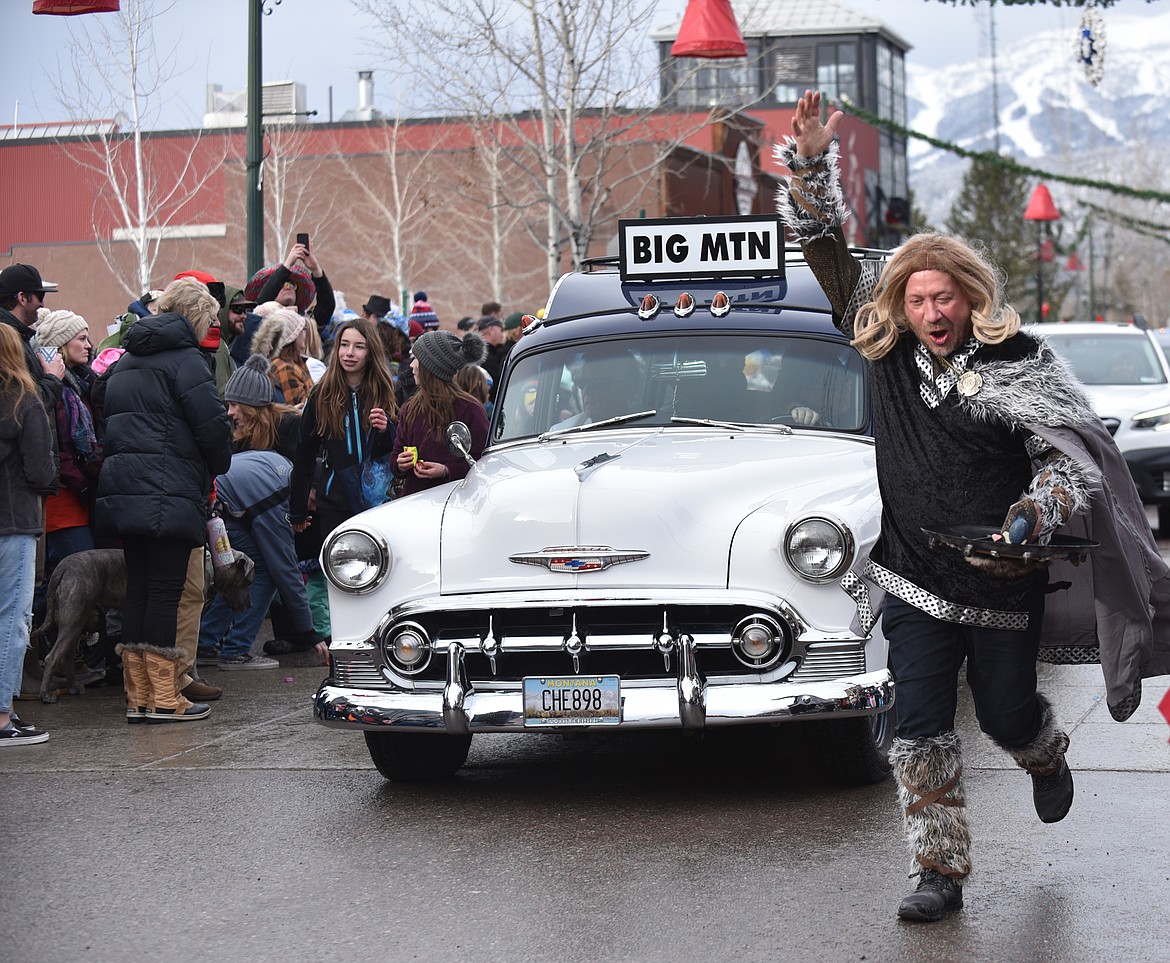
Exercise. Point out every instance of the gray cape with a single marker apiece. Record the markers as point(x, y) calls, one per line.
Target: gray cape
point(1118, 600)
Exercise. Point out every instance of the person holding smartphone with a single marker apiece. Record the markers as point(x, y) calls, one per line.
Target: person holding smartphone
point(67, 514)
point(288, 286)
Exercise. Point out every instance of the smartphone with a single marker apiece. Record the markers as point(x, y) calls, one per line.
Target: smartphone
point(303, 238)
point(218, 291)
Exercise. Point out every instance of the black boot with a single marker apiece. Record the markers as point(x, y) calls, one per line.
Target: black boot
point(1053, 793)
point(934, 897)
point(113, 659)
point(1043, 760)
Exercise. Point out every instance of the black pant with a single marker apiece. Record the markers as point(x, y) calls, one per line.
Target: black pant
point(156, 569)
point(926, 654)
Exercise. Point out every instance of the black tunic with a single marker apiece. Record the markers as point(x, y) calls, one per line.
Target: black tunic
point(940, 467)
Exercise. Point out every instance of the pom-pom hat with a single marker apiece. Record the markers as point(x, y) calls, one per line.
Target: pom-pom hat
point(443, 353)
point(250, 384)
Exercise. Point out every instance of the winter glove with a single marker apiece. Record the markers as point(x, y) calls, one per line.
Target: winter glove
point(1021, 523)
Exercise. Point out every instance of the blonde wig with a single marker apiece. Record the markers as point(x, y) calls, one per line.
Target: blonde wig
point(880, 322)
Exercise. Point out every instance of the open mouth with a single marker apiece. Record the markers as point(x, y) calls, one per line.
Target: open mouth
point(938, 337)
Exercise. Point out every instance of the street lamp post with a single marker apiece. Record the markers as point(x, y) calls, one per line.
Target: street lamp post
point(254, 201)
point(1041, 210)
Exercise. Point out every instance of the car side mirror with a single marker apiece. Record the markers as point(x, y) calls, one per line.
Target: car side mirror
point(459, 441)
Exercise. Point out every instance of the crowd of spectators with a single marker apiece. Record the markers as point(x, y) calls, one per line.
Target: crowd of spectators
point(264, 415)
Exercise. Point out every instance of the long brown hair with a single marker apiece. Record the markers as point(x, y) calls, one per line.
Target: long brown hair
point(375, 391)
point(259, 430)
point(881, 322)
point(434, 403)
point(15, 381)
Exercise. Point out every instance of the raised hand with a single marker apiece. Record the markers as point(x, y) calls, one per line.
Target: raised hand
point(813, 137)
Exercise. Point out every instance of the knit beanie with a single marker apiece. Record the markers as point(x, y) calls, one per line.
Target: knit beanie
point(250, 384)
point(443, 353)
point(424, 314)
point(294, 324)
point(59, 327)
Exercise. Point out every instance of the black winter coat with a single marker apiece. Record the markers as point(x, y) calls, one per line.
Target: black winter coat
point(167, 435)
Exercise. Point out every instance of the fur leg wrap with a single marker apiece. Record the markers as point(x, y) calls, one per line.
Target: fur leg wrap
point(1042, 756)
point(929, 774)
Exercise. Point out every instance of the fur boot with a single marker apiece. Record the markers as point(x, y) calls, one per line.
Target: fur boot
point(1043, 760)
point(137, 682)
point(167, 703)
point(929, 774)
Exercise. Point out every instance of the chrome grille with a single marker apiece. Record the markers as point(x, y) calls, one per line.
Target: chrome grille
point(360, 675)
point(822, 666)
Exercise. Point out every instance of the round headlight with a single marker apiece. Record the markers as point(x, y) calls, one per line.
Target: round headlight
point(818, 548)
point(355, 561)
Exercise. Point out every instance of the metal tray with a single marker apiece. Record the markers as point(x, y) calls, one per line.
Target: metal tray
point(976, 540)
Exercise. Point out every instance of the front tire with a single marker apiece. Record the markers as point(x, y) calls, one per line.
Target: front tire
point(417, 757)
point(854, 752)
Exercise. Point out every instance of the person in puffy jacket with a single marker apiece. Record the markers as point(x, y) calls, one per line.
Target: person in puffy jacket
point(167, 437)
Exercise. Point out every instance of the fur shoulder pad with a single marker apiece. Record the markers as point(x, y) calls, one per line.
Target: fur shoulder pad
point(1037, 388)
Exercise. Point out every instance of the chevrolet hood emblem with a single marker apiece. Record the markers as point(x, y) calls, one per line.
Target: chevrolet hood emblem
point(576, 559)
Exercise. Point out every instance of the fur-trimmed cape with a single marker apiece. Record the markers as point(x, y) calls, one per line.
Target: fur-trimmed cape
point(1118, 600)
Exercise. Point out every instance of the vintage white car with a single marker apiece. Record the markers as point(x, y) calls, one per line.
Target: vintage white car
point(661, 533)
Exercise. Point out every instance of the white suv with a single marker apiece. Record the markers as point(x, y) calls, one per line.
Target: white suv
point(1127, 379)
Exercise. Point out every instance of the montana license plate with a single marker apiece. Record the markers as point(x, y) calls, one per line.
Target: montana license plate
point(572, 700)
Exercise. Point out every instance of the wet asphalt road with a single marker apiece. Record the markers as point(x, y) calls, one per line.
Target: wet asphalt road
point(260, 835)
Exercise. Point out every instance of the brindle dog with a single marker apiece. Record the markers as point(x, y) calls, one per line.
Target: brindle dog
point(85, 580)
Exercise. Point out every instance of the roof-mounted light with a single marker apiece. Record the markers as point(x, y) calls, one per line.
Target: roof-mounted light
point(649, 307)
point(720, 304)
point(684, 305)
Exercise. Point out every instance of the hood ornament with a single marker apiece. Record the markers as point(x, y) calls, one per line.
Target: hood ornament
point(576, 559)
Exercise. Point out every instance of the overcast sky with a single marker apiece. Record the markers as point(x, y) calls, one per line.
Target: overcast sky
point(320, 43)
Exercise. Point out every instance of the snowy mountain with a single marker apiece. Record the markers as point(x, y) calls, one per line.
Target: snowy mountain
point(1050, 117)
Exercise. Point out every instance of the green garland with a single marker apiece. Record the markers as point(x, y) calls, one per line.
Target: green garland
point(1146, 228)
point(1030, 3)
point(990, 157)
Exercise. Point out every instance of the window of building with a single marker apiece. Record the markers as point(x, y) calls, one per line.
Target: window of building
point(711, 83)
point(792, 72)
point(837, 70)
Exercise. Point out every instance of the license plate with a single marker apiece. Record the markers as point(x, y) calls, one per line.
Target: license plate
point(572, 700)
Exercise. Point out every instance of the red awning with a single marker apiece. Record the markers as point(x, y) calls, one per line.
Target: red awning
point(709, 29)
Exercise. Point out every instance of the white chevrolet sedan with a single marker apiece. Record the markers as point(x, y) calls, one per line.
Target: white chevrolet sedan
point(662, 532)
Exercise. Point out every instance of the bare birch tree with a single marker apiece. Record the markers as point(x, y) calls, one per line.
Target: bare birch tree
point(115, 72)
point(562, 88)
point(395, 201)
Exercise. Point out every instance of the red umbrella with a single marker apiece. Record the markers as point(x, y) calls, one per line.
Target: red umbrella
point(306, 289)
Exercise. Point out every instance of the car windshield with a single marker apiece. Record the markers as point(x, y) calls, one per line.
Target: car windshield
point(1108, 359)
point(759, 379)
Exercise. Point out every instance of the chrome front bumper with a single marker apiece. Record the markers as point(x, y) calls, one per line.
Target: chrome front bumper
point(686, 703)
